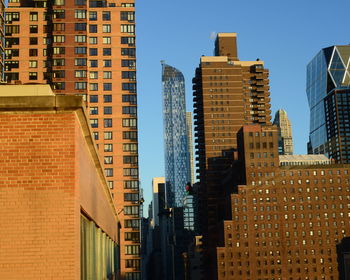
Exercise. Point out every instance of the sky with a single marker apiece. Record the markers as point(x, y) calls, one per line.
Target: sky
point(286, 35)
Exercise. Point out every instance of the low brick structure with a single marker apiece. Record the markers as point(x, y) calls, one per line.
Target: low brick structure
point(56, 210)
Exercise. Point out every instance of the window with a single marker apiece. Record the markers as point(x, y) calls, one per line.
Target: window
point(33, 63)
point(108, 160)
point(107, 110)
point(59, 38)
point(107, 63)
point(93, 110)
point(131, 52)
point(130, 159)
point(132, 236)
point(80, 50)
point(59, 85)
point(107, 51)
point(108, 147)
point(33, 52)
point(80, 14)
point(93, 28)
point(132, 99)
point(107, 98)
point(107, 74)
point(106, 28)
point(12, 16)
point(93, 63)
point(80, 26)
point(93, 51)
point(132, 249)
point(59, 14)
point(11, 41)
point(107, 86)
point(133, 172)
point(11, 29)
point(80, 2)
point(33, 75)
point(132, 135)
point(130, 123)
point(95, 134)
point(133, 185)
point(92, 15)
point(93, 86)
point(131, 210)
point(58, 74)
point(33, 16)
point(80, 73)
point(132, 224)
point(33, 29)
point(93, 74)
point(107, 122)
point(129, 110)
point(80, 61)
point(131, 87)
point(58, 27)
point(131, 197)
point(94, 123)
point(109, 172)
point(127, 28)
point(93, 98)
point(108, 135)
point(129, 63)
point(129, 16)
point(106, 40)
point(59, 50)
point(128, 40)
point(106, 15)
point(80, 38)
point(80, 85)
point(59, 2)
point(33, 41)
point(131, 75)
point(129, 147)
point(93, 40)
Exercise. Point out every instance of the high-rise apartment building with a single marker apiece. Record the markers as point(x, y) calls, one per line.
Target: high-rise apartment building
point(285, 140)
point(177, 162)
point(88, 48)
point(228, 93)
point(2, 40)
point(190, 144)
point(328, 93)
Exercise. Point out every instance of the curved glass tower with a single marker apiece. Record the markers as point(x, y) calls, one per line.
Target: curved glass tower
point(177, 166)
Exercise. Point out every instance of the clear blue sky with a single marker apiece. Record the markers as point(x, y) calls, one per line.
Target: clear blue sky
point(284, 34)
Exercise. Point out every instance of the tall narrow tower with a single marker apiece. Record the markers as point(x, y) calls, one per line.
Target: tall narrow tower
point(88, 48)
point(228, 93)
point(175, 135)
point(190, 144)
point(285, 140)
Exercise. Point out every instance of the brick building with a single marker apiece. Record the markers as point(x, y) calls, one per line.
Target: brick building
point(56, 210)
point(228, 93)
point(88, 48)
point(286, 221)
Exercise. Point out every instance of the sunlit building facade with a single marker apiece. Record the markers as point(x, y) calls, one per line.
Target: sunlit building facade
point(285, 140)
point(177, 170)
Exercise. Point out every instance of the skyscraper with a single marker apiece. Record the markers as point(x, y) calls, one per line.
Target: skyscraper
point(88, 48)
point(177, 169)
point(228, 93)
point(190, 144)
point(328, 93)
point(285, 140)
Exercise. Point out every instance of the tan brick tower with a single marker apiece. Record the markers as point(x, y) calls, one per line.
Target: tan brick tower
point(88, 48)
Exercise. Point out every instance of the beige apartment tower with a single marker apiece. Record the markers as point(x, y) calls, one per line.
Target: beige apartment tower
point(285, 140)
point(87, 48)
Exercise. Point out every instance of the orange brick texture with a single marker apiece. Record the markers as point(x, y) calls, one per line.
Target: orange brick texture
point(40, 186)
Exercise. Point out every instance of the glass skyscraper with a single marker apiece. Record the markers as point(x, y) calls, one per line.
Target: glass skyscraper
point(328, 93)
point(177, 169)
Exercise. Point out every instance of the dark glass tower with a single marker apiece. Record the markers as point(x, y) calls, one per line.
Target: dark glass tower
point(177, 169)
point(328, 93)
